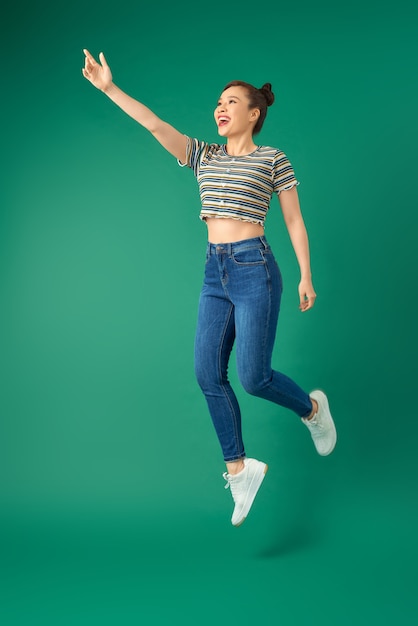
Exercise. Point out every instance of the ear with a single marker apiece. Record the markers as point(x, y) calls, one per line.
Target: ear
point(254, 115)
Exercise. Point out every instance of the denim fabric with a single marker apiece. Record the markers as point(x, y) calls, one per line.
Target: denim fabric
point(240, 302)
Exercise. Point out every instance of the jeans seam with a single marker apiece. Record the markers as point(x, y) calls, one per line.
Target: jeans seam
point(266, 327)
point(234, 418)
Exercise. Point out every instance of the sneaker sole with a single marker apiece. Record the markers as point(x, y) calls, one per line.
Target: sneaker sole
point(252, 492)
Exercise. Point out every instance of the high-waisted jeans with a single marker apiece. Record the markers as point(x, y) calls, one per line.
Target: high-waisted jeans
point(240, 302)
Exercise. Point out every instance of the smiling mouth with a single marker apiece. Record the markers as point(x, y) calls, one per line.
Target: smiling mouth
point(222, 121)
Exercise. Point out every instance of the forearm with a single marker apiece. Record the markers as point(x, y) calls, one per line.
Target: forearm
point(135, 109)
point(300, 243)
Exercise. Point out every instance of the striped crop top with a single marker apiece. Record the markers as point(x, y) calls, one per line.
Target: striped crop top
point(238, 187)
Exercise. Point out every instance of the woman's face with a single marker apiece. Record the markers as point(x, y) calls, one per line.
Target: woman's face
point(233, 115)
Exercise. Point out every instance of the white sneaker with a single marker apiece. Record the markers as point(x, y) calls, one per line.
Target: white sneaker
point(244, 487)
point(321, 425)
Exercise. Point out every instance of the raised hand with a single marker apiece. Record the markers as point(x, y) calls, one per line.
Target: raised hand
point(98, 74)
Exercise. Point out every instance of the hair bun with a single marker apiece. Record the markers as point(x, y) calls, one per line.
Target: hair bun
point(267, 93)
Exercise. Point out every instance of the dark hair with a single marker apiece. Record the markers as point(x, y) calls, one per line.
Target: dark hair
point(259, 99)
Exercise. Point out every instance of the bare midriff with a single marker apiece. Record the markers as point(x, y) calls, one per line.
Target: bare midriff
point(224, 230)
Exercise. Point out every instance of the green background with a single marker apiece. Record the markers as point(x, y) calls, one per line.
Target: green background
point(112, 508)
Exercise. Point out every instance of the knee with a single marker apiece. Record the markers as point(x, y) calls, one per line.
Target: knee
point(252, 382)
point(201, 373)
point(201, 369)
point(201, 378)
point(207, 377)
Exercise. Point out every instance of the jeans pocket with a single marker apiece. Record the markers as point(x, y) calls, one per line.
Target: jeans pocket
point(252, 256)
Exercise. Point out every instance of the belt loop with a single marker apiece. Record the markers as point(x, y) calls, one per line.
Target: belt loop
point(264, 242)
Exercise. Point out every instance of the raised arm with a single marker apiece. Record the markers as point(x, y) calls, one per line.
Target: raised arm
point(100, 76)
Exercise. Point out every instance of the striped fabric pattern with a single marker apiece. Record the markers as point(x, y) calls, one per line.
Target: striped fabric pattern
point(238, 187)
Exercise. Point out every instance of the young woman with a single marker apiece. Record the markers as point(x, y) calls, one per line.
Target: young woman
point(240, 298)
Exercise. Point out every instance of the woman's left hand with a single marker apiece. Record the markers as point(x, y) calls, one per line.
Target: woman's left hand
point(307, 295)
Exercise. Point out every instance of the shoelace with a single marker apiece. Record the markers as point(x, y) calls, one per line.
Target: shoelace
point(316, 427)
point(313, 421)
point(232, 485)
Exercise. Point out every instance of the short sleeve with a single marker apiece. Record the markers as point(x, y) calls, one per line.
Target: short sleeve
point(195, 152)
point(283, 175)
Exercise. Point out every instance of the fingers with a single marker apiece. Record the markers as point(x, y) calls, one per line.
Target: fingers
point(91, 60)
point(91, 67)
point(89, 64)
point(88, 55)
point(307, 294)
point(103, 60)
point(307, 303)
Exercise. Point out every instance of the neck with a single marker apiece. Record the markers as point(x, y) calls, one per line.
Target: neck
point(240, 146)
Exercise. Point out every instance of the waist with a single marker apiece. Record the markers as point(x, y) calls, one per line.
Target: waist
point(226, 230)
point(234, 247)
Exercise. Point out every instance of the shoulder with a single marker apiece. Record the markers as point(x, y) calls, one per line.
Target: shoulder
point(268, 149)
point(271, 154)
point(197, 151)
point(271, 151)
point(279, 158)
point(203, 146)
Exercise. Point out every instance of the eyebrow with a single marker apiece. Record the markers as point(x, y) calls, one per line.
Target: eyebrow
point(236, 98)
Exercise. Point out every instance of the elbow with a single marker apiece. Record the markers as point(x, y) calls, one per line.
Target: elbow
point(155, 126)
point(294, 222)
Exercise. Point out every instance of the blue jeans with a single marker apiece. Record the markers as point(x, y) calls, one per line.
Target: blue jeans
point(240, 302)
